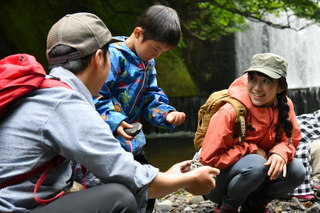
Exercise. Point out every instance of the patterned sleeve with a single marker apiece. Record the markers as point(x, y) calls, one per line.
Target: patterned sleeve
point(156, 103)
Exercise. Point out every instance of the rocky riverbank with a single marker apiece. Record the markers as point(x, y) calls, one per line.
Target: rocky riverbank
point(181, 201)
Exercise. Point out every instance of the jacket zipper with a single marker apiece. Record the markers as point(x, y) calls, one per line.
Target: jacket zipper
point(269, 128)
point(143, 82)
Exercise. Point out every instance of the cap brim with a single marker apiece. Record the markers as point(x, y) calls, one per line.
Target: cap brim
point(264, 71)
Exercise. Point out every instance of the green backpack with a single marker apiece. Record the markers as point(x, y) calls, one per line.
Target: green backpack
point(212, 105)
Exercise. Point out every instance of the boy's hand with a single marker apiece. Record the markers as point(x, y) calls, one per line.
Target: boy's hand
point(122, 133)
point(176, 118)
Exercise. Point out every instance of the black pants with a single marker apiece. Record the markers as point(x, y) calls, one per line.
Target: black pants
point(142, 158)
point(111, 197)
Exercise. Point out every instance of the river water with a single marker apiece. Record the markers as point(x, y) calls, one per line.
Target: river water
point(163, 152)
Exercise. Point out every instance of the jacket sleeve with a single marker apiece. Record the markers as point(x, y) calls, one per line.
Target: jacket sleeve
point(286, 149)
point(106, 104)
point(219, 148)
point(156, 103)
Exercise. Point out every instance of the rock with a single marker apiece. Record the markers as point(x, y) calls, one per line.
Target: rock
point(295, 204)
point(164, 206)
point(207, 204)
point(182, 201)
point(314, 209)
point(188, 209)
point(195, 199)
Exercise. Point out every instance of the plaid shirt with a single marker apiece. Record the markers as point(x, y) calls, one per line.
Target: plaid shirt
point(310, 131)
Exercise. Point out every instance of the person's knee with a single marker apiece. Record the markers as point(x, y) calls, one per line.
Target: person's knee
point(255, 167)
point(297, 171)
point(127, 202)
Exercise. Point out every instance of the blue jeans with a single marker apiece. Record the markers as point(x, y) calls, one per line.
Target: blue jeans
point(247, 181)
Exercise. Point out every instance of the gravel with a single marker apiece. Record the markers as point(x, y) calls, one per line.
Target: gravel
point(183, 201)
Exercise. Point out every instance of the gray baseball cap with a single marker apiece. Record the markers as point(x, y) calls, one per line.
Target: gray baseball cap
point(270, 64)
point(85, 32)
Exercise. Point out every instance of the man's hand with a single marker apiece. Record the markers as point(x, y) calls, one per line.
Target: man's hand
point(181, 167)
point(122, 133)
point(176, 118)
point(197, 182)
point(277, 165)
point(203, 182)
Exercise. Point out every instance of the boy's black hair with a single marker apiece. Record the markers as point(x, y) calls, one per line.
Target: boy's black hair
point(160, 23)
point(75, 66)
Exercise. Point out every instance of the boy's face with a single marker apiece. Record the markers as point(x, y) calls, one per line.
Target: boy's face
point(149, 49)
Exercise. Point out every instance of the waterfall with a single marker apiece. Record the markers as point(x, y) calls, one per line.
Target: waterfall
point(301, 49)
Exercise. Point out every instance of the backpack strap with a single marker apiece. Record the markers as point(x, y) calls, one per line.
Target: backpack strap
point(241, 118)
point(53, 82)
point(57, 160)
point(25, 176)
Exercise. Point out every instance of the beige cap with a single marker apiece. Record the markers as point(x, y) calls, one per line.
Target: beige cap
point(270, 64)
point(85, 32)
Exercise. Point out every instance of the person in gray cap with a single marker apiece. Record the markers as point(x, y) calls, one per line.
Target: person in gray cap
point(63, 121)
point(262, 167)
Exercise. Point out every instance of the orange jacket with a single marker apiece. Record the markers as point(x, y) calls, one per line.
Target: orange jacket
point(220, 149)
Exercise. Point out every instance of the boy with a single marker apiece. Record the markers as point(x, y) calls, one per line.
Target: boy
point(62, 121)
point(131, 89)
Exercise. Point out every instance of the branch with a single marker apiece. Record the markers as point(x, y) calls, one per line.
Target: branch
point(193, 34)
point(257, 19)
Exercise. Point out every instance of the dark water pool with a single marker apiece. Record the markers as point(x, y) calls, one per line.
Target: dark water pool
point(165, 151)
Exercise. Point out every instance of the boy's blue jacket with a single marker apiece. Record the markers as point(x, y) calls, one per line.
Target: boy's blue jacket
point(130, 91)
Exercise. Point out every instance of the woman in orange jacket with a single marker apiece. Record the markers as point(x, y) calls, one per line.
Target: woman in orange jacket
point(261, 168)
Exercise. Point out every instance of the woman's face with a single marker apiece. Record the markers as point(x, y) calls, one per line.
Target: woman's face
point(262, 90)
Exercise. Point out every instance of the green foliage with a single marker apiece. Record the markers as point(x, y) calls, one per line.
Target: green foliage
point(211, 19)
point(173, 76)
point(27, 25)
point(24, 26)
point(119, 15)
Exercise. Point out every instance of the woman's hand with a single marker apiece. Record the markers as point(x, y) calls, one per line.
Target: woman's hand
point(277, 165)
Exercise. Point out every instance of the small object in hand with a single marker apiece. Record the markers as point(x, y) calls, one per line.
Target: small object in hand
point(195, 163)
point(135, 130)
